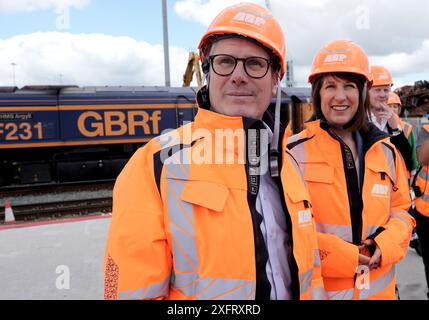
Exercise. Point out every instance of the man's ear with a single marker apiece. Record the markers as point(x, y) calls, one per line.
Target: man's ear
point(206, 66)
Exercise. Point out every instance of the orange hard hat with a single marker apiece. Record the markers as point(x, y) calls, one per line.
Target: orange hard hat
point(340, 56)
point(381, 76)
point(252, 21)
point(394, 99)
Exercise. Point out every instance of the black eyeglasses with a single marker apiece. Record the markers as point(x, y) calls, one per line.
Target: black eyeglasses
point(224, 65)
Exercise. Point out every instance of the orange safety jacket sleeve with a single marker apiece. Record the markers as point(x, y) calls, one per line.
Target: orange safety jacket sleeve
point(295, 194)
point(137, 262)
point(334, 249)
point(394, 240)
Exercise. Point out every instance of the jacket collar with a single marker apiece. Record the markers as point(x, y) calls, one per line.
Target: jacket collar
point(369, 137)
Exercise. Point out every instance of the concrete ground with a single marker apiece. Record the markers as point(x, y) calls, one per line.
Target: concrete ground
point(53, 261)
point(65, 261)
point(411, 279)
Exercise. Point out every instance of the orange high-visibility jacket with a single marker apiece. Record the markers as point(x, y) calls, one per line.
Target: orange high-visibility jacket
point(345, 216)
point(185, 230)
point(422, 181)
point(407, 128)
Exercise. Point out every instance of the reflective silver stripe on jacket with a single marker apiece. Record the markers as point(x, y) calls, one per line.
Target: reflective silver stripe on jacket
point(305, 280)
point(378, 285)
point(390, 161)
point(400, 215)
point(150, 292)
point(423, 174)
point(343, 232)
point(186, 264)
point(374, 287)
point(299, 152)
point(318, 293)
point(317, 258)
point(346, 294)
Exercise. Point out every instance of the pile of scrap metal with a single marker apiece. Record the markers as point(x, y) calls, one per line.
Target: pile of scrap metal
point(415, 99)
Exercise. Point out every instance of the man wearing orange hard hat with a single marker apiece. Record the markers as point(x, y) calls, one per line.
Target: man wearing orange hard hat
point(384, 117)
point(183, 228)
point(387, 120)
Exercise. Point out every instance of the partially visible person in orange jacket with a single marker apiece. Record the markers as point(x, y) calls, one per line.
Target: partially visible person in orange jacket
point(357, 185)
point(394, 102)
point(421, 190)
point(187, 227)
point(407, 128)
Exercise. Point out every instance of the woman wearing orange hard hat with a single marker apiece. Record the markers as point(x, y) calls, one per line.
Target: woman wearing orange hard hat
point(191, 229)
point(358, 187)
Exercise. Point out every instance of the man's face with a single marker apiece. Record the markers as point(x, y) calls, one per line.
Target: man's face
point(239, 94)
point(378, 97)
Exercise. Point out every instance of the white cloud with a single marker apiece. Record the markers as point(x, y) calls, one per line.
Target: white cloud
point(392, 33)
point(35, 5)
point(203, 11)
point(413, 62)
point(86, 59)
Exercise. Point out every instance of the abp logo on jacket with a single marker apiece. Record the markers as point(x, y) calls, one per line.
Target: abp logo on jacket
point(380, 190)
point(304, 218)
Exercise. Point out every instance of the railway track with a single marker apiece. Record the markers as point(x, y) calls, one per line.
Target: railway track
point(54, 202)
point(48, 187)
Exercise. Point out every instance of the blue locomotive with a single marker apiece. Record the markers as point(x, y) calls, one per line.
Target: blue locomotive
point(61, 134)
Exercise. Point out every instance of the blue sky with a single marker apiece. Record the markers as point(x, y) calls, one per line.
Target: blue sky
point(141, 20)
point(112, 42)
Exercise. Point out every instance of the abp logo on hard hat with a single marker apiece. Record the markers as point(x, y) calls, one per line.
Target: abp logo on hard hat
point(382, 76)
point(249, 18)
point(331, 58)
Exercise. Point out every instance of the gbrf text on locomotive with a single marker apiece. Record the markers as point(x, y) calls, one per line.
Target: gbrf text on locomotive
point(118, 123)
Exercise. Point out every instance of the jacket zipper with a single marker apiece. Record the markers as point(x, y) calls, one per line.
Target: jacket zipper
point(354, 207)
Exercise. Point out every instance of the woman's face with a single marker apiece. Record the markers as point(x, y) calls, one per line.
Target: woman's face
point(339, 100)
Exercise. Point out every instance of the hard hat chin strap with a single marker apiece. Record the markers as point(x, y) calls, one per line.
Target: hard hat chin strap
point(274, 152)
point(365, 92)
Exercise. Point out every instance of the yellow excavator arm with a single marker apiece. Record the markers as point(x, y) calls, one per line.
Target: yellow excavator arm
point(192, 67)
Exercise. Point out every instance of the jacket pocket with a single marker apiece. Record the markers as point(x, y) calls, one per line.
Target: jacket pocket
point(319, 172)
point(207, 194)
point(382, 172)
point(297, 192)
point(382, 177)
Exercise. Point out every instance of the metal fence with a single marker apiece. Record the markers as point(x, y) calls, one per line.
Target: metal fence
point(417, 123)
